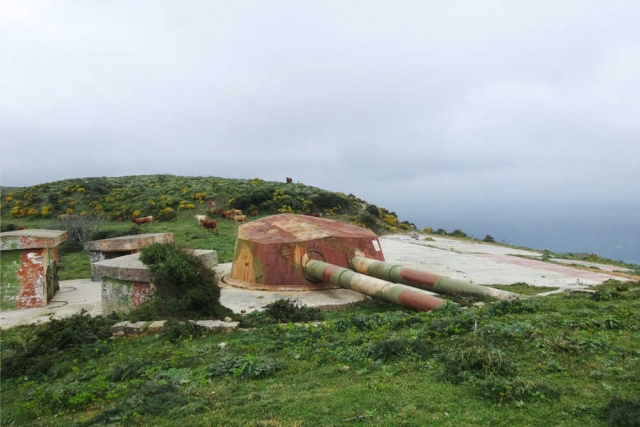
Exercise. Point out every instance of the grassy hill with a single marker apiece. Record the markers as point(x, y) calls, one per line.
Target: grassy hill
point(98, 208)
point(569, 359)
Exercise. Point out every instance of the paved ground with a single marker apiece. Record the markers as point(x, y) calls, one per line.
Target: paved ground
point(480, 263)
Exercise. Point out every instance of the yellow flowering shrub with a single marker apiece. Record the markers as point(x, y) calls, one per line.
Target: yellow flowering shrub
point(391, 220)
point(333, 210)
point(285, 209)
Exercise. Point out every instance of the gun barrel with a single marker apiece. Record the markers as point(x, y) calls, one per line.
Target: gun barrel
point(424, 280)
point(392, 292)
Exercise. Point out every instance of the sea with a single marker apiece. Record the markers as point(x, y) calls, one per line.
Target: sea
point(612, 235)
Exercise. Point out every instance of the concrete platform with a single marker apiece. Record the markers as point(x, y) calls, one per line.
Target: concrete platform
point(480, 263)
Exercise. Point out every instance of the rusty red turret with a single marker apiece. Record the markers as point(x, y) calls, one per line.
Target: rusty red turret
point(269, 251)
point(298, 252)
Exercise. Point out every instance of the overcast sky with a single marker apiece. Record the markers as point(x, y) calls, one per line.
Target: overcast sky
point(434, 107)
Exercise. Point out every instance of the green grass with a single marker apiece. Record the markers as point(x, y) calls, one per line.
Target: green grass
point(567, 359)
point(525, 289)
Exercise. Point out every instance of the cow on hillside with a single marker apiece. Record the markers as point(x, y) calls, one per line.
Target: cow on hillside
point(210, 225)
point(143, 220)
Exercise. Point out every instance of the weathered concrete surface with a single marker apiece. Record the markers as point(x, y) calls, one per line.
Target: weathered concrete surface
point(127, 267)
point(73, 297)
point(485, 264)
point(444, 256)
point(29, 267)
point(127, 282)
point(101, 250)
point(128, 243)
point(32, 238)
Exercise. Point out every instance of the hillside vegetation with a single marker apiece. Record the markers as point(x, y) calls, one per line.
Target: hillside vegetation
point(99, 208)
point(568, 359)
point(162, 196)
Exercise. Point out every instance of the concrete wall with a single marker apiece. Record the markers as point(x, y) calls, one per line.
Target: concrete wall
point(29, 277)
point(122, 296)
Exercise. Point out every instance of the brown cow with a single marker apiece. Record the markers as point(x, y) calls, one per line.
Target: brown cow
point(289, 180)
point(236, 211)
point(210, 225)
point(227, 214)
point(240, 218)
point(317, 215)
point(143, 220)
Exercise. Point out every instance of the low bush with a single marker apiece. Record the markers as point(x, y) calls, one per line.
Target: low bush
point(34, 354)
point(388, 350)
point(245, 367)
point(281, 311)
point(185, 288)
point(621, 412)
point(175, 331)
point(475, 361)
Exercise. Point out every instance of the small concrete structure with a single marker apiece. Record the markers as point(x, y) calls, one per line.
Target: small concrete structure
point(127, 282)
point(29, 267)
point(100, 250)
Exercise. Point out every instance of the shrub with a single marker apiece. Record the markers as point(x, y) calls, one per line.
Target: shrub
point(69, 247)
point(458, 233)
point(621, 412)
point(388, 350)
point(185, 288)
point(8, 227)
point(166, 214)
point(175, 331)
point(40, 351)
point(373, 210)
point(513, 306)
point(367, 219)
point(488, 238)
point(476, 361)
point(245, 367)
point(282, 311)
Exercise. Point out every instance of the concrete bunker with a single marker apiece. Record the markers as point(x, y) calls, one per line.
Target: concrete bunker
point(126, 282)
point(105, 249)
point(29, 265)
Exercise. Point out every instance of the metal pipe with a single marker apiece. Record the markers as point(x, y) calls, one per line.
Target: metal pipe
point(392, 292)
point(424, 280)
